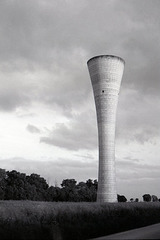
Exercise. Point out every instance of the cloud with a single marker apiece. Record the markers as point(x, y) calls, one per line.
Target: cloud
point(54, 171)
point(32, 129)
point(130, 170)
point(137, 117)
point(79, 133)
point(49, 46)
point(13, 92)
point(44, 49)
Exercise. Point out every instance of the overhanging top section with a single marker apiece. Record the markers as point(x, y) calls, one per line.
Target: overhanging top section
point(106, 56)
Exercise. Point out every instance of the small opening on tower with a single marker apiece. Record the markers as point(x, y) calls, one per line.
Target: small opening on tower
point(102, 91)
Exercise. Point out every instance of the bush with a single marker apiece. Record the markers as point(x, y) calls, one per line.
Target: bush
point(121, 198)
point(146, 197)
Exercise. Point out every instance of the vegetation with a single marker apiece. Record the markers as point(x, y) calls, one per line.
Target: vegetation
point(19, 186)
point(121, 198)
point(66, 212)
point(147, 198)
point(74, 221)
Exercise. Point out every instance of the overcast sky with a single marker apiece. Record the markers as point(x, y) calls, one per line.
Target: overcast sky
point(47, 111)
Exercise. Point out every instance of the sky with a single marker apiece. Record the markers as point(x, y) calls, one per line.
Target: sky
point(47, 110)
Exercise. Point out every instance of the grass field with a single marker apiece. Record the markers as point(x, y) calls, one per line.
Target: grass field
point(74, 221)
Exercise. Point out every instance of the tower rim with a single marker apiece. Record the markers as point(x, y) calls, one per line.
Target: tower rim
point(106, 56)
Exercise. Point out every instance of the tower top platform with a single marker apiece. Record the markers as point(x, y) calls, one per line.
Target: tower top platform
point(106, 56)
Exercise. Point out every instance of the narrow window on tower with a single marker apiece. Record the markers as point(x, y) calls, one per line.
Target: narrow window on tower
point(102, 91)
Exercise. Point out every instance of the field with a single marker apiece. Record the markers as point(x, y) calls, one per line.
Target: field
point(29, 220)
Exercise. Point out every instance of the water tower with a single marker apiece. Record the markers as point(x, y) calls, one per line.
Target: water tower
point(106, 74)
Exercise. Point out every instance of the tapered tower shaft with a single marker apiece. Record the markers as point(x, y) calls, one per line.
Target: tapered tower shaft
point(106, 73)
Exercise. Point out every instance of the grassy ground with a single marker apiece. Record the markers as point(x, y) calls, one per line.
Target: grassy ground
point(74, 221)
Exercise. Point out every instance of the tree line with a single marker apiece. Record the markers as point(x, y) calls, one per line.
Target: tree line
point(19, 186)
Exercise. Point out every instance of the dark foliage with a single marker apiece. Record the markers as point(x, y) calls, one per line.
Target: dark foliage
point(18, 186)
point(154, 198)
point(147, 198)
point(121, 198)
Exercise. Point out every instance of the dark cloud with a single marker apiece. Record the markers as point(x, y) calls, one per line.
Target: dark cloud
point(32, 129)
point(13, 92)
point(41, 35)
point(80, 133)
point(9, 101)
point(138, 117)
point(128, 170)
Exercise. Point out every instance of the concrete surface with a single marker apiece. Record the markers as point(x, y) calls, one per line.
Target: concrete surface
point(106, 74)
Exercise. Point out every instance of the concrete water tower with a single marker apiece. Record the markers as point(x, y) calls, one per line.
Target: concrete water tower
point(106, 74)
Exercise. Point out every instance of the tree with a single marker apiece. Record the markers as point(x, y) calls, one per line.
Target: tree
point(87, 193)
point(89, 183)
point(154, 198)
point(31, 192)
point(95, 183)
point(53, 194)
point(69, 183)
point(38, 185)
point(146, 197)
point(121, 198)
point(15, 186)
point(83, 191)
point(3, 176)
point(18, 186)
point(69, 191)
